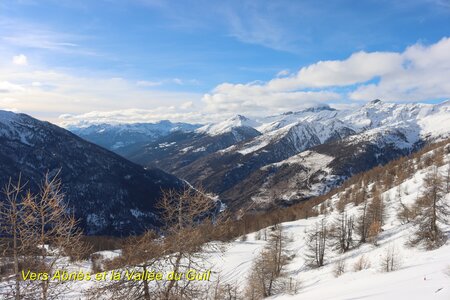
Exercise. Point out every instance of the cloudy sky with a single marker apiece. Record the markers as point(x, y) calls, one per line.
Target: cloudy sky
point(144, 60)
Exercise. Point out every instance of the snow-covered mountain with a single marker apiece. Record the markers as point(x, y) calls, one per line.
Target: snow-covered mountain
point(180, 149)
point(120, 136)
point(228, 125)
point(324, 122)
point(258, 166)
point(110, 194)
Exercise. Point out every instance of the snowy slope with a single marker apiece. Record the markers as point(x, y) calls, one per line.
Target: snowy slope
point(227, 125)
point(421, 274)
point(419, 120)
point(319, 113)
point(437, 121)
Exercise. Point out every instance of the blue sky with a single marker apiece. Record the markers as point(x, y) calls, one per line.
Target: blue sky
point(187, 60)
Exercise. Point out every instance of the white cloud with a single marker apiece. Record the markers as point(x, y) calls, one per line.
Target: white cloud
point(359, 67)
point(253, 22)
point(283, 73)
point(187, 105)
point(147, 83)
point(8, 87)
point(417, 74)
point(23, 34)
point(7, 101)
point(253, 99)
point(263, 23)
point(137, 116)
point(178, 81)
point(20, 60)
point(39, 39)
point(424, 74)
point(257, 29)
point(294, 92)
point(50, 93)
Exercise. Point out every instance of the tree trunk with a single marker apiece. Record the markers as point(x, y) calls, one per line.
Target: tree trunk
point(16, 262)
point(146, 289)
point(172, 282)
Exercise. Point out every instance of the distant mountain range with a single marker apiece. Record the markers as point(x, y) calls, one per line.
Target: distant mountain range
point(123, 136)
point(290, 157)
point(110, 194)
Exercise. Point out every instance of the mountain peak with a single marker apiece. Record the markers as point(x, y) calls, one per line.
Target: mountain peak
point(7, 116)
point(227, 125)
point(314, 108)
point(239, 118)
point(164, 122)
point(375, 101)
point(317, 108)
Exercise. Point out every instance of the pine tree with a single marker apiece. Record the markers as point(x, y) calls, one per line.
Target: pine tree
point(433, 210)
point(362, 224)
point(375, 215)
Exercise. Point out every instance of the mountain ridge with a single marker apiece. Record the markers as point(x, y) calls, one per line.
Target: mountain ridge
point(245, 170)
point(108, 193)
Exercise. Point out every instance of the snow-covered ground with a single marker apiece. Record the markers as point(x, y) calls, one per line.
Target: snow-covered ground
point(421, 274)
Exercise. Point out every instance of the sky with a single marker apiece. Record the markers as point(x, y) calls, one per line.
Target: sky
point(88, 61)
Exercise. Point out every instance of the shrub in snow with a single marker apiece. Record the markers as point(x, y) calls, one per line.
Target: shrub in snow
point(391, 260)
point(339, 268)
point(361, 264)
